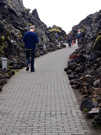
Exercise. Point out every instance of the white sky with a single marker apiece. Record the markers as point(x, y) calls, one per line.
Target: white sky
point(63, 13)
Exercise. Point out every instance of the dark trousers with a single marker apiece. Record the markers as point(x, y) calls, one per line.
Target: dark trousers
point(69, 43)
point(30, 58)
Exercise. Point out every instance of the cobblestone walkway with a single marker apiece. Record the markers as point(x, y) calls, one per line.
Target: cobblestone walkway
point(41, 103)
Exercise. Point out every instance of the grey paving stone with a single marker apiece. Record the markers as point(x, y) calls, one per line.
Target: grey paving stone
point(41, 103)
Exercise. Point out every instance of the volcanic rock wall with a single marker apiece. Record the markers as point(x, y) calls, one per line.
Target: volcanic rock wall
point(84, 66)
point(15, 20)
point(84, 61)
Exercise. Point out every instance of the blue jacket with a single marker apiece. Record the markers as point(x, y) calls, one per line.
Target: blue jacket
point(30, 39)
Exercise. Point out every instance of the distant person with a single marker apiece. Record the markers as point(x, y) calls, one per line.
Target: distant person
point(30, 40)
point(78, 35)
point(69, 40)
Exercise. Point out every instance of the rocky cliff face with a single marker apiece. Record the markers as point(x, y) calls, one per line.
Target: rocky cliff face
point(91, 26)
point(84, 66)
point(15, 20)
point(16, 5)
point(85, 61)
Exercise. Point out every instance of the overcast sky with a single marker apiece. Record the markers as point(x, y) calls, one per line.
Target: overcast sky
point(63, 13)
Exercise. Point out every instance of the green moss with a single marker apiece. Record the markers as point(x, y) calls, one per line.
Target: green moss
point(19, 35)
point(2, 47)
point(98, 38)
point(85, 110)
point(8, 37)
point(2, 38)
point(10, 2)
point(29, 24)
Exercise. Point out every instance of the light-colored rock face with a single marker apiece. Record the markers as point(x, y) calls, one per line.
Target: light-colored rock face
point(16, 5)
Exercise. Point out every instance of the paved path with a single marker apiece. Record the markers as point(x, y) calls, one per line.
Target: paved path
point(41, 103)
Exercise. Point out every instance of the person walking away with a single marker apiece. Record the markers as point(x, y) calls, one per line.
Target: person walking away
point(30, 40)
point(69, 40)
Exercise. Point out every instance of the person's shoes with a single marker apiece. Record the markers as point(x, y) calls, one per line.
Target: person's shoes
point(27, 68)
point(32, 70)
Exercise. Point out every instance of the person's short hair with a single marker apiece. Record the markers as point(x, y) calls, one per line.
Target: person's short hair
point(32, 27)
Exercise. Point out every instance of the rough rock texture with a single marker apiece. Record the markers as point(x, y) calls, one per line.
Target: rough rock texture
point(84, 67)
point(82, 57)
point(15, 20)
point(90, 26)
point(16, 5)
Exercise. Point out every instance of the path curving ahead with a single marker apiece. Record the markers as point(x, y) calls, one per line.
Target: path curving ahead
point(41, 103)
